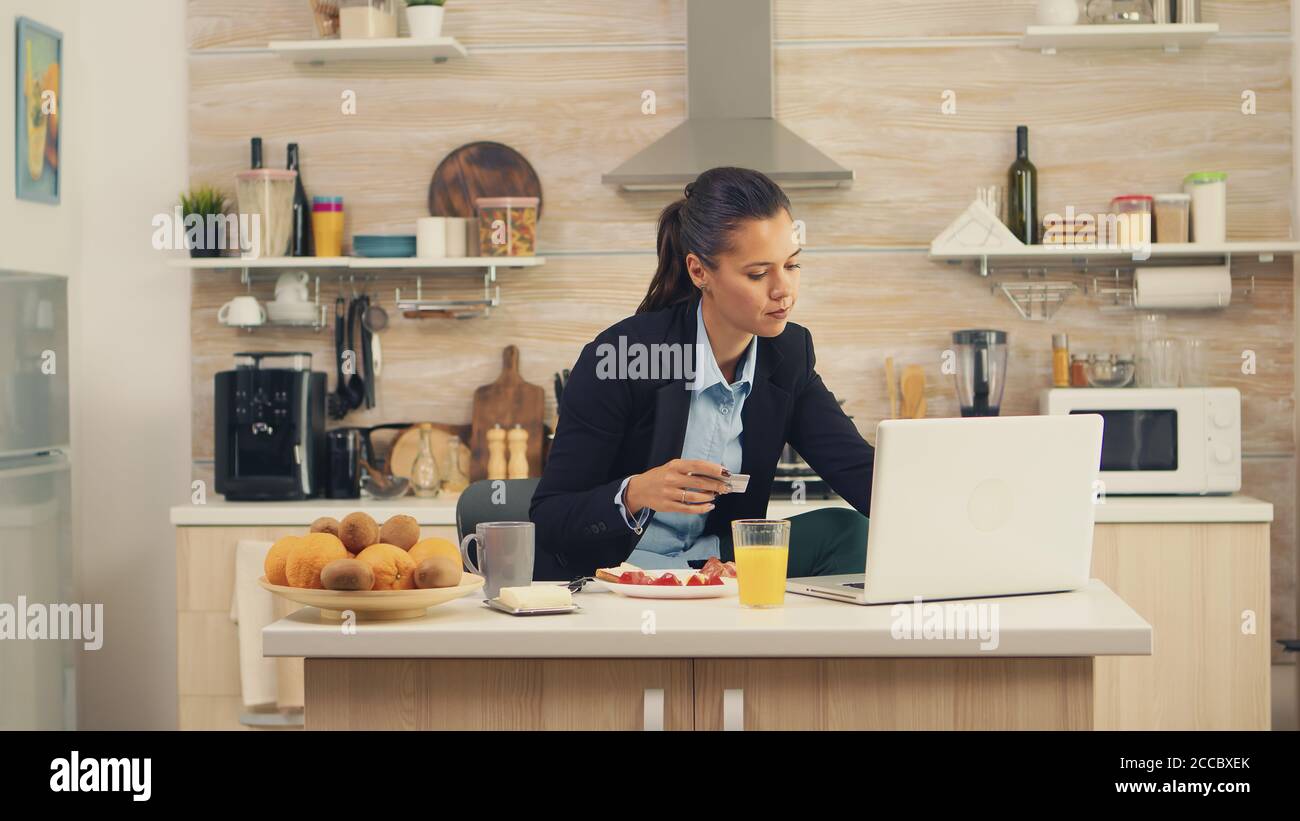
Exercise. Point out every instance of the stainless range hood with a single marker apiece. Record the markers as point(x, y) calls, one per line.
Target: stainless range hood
point(729, 110)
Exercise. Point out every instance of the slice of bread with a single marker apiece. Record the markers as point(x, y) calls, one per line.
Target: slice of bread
point(611, 574)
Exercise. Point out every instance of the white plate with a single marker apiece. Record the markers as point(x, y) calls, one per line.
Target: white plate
point(652, 591)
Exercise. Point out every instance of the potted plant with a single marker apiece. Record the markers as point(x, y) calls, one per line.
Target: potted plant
point(204, 202)
point(424, 18)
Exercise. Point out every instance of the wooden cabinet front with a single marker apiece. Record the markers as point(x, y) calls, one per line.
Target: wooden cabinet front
point(499, 694)
point(894, 694)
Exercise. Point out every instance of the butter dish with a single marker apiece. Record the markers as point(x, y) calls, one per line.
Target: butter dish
point(496, 604)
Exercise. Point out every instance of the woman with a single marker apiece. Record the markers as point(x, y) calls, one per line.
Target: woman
point(709, 378)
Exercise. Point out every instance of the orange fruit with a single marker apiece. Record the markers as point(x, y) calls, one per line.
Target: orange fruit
point(309, 556)
point(275, 559)
point(429, 548)
point(393, 567)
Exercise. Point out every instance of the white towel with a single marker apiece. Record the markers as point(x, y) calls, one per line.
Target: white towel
point(252, 608)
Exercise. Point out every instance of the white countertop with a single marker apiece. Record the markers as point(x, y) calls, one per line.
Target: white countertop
point(442, 510)
point(1088, 622)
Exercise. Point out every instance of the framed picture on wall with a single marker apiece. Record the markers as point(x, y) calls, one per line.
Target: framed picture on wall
point(39, 120)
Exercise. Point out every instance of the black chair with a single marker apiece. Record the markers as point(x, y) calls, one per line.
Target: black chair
point(493, 500)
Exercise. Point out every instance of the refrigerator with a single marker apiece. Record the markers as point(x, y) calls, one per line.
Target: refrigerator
point(37, 675)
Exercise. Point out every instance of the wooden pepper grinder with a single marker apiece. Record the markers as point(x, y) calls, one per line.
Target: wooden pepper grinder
point(518, 439)
point(496, 441)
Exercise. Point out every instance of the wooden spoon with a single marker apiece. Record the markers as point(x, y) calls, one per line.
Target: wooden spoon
point(913, 383)
point(892, 383)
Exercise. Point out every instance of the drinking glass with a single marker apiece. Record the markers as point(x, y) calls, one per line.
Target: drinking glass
point(1166, 362)
point(1194, 372)
point(991, 195)
point(762, 554)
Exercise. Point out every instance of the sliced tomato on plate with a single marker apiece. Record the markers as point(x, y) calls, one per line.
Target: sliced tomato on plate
point(667, 580)
point(634, 577)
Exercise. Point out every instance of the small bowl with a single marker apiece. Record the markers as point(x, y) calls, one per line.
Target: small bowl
point(1109, 373)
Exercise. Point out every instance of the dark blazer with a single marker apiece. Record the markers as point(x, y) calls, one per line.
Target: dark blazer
point(611, 428)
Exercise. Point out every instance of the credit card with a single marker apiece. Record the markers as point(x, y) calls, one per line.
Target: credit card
point(738, 482)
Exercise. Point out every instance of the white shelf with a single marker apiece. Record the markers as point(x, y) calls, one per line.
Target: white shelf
point(367, 263)
point(446, 262)
point(1168, 36)
point(1265, 249)
point(382, 50)
point(211, 263)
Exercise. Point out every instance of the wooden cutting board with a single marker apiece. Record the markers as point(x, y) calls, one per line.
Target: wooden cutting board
point(507, 401)
point(481, 169)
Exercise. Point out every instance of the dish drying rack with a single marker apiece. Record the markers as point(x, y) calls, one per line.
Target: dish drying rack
point(1037, 298)
point(421, 308)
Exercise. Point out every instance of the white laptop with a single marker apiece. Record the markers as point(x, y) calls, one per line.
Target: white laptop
point(965, 508)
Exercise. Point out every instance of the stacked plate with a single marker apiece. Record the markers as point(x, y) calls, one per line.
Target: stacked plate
point(378, 245)
point(292, 313)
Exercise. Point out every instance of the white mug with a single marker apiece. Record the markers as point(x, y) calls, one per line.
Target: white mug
point(457, 234)
point(291, 287)
point(431, 237)
point(242, 310)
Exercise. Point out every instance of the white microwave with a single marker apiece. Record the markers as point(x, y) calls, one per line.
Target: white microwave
point(1161, 440)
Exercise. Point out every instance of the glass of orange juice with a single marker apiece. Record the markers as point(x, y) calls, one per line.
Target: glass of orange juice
point(762, 552)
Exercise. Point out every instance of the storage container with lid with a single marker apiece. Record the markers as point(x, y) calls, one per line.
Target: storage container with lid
point(1209, 191)
point(265, 195)
point(362, 19)
point(1132, 226)
point(1173, 213)
point(1120, 11)
point(507, 226)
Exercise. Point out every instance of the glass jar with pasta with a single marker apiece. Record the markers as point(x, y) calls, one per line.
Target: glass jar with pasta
point(507, 226)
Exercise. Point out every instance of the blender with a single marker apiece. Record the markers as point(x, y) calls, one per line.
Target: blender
point(981, 370)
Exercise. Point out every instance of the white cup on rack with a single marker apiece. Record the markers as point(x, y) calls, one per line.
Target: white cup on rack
point(242, 311)
point(292, 287)
point(457, 233)
point(431, 237)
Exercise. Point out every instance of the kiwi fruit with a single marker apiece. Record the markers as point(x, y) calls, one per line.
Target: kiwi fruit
point(347, 574)
point(437, 571)
point(400, 530)
point(358, 531)
point(325, 524)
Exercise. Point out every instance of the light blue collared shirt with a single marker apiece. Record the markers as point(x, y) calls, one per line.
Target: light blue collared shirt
point(713, 434)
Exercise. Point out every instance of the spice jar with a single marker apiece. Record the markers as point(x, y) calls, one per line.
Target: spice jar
point(1079, 370)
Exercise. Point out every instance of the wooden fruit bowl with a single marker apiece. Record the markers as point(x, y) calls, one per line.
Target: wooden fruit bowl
point(376, 604)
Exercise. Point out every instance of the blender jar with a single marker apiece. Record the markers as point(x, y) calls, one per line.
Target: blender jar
point(981, 370)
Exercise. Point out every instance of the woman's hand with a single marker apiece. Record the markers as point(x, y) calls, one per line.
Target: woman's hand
point(680, 486)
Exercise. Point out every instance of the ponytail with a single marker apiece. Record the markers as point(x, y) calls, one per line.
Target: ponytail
point(701, 223)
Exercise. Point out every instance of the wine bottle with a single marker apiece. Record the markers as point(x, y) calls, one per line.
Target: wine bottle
point(301, 243)
point(1022, 192)
point(257, 153)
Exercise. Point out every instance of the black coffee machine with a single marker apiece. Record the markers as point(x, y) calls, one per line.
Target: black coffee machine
point(270, 428)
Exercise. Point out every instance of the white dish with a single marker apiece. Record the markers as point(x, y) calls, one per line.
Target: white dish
point(291, 311)
point(496, 604)
point(652, 591)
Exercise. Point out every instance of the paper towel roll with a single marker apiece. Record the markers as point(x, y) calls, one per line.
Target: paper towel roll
point(1192, 287)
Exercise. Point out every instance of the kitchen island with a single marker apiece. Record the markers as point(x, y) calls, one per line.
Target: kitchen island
point(1195, 568)
point(1020, 662)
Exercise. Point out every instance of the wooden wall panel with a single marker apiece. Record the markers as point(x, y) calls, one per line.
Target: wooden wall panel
point(1100, 125)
